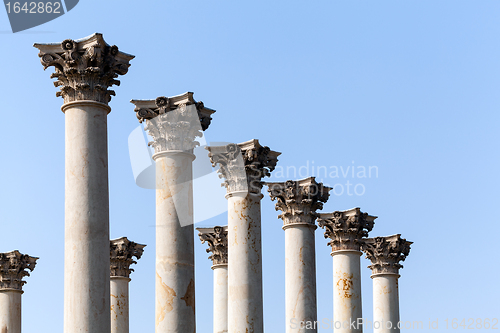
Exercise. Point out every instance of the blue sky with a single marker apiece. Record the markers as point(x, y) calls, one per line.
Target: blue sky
point(410, 87)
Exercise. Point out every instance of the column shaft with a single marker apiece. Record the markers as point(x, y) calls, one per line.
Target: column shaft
point(346, 291)
point(10, 311)
point(175, 288)
point(220, 299)
point(385, 303)
point(86, 268)
point(245, 312)
point(300, 277)
point(119, 304)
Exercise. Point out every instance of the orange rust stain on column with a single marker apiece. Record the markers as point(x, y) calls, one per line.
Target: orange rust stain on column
point(345, 284)
point(165, 293)
point(189, 296)
point(5, 329)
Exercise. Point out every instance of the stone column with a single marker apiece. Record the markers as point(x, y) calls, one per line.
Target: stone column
point(299, 200)
point(386, 253)
point(243, 166)
point(13, 268)
point(121, 253)
point(174, 123)
point(216, 238)
point(346, 229)
point(85, 69)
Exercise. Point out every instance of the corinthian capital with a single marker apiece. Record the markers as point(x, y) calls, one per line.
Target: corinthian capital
point(386, 253)
point(175, 122)
point(243, 165)
point(299, 200)
point(216, 238)
point(84, 68)
point(347, 228)
point(121, 253)
point(13, 268)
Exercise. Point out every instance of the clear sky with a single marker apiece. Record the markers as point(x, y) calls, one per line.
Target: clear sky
point(410, 87)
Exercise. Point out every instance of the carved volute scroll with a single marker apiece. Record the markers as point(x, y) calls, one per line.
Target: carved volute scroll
point(346, 229)
point(175, 122)
point(386, 253)
point(122, 252)
point(242, 166)
point(299, 200)
point(85, 68)
point(216, 239)
point(13, 268)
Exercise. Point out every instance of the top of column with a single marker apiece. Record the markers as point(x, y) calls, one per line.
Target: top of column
point(346, 229)
point(216, 238)
point(121, 253)
point(386, 253)
point(299, 200)
point(13, 268)
point(175, 122)
point(84, 68)
point(243, 165)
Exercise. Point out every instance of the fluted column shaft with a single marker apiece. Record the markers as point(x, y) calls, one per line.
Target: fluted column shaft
point(175, 293)
point(245, 312)
point(86, 255)
point(220, 298)
point(10, 311)
point(385, 303)
point(119, 304)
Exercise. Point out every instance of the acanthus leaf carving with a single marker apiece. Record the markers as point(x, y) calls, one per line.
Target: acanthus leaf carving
point(85, 69)
point(242, 166)
point(299, 200)
point(346, 229)
point(386, 253)
point(216, 238)
point(13, 268)
point(122, 252)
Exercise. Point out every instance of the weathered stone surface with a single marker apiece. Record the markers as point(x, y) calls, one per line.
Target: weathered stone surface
point(13, 268)
point(84, 68)
point(216, 238)
point(299, 200)
point(346, 229)
point(243, 165)
point(386, 253)
point(122, 252)
point(175, 122)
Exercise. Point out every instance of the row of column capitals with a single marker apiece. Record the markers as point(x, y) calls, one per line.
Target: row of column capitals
point(122, 252)
point(386, 253)
point(243, 165)
point(216, 238)
point(14, 267)
point(346, 229)
point(175, 122)
point(298, 200)
point(84, 68)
